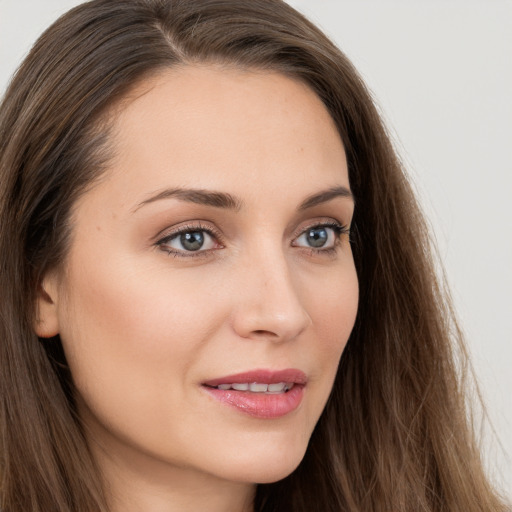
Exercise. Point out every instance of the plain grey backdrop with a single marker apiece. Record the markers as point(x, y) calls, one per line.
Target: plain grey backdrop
point(441, 72)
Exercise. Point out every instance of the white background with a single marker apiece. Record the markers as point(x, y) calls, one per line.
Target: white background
point(441, 71)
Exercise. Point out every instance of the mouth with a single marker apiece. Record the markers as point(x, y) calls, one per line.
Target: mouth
point(257, 387)
point(264, 394)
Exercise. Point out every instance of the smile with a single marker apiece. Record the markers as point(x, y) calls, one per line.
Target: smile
point(258, 387)
point(262, 394)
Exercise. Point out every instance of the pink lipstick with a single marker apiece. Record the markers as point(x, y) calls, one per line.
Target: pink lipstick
point(263, 394)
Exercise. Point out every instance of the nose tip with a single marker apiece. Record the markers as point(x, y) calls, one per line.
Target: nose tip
point(270, 308)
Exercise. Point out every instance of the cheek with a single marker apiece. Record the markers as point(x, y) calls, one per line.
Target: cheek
point(333, 309)
point(131, 332)
point(333, 305)
point(132, 337)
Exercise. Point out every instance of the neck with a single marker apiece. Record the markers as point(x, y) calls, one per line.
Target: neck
point(127, 494)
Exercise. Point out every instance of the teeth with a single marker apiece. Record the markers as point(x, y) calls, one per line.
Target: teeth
point(258, 387)
point(277, 388)
point(240, 387)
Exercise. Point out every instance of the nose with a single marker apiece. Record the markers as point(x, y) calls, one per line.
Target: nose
point(268, 304)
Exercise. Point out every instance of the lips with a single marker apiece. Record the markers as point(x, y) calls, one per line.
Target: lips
point(263, 394)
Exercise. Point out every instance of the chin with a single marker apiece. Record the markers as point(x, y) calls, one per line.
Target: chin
point(265, 466)
point(272, 475)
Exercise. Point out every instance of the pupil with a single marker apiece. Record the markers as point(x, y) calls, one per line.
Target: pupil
point(317, 237)
point(192, 241)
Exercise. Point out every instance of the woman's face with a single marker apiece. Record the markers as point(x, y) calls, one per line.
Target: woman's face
point(212, 256)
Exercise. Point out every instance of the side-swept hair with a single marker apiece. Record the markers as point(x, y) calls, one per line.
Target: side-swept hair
point(394, 435)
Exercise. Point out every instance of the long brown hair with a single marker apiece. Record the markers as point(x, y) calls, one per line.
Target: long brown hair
point(394, 434)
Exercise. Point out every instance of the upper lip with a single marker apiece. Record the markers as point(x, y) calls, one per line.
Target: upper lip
point(263, 376)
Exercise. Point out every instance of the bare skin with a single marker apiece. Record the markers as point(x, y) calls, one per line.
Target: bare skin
point(165, 289)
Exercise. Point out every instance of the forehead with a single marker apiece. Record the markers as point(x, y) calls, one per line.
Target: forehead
point(230, 129)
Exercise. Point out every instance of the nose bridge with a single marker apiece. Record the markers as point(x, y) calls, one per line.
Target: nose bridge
point(269, 304)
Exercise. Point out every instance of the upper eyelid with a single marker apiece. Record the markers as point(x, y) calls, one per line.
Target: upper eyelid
point(169, 233)
point(163, 241)
point(324, 221)
point(204, 225)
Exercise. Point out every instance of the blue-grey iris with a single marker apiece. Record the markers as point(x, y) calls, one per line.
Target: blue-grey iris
point(317, 237)
point(192, 241)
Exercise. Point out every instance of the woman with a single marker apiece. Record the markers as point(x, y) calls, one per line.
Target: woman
point(293, 353)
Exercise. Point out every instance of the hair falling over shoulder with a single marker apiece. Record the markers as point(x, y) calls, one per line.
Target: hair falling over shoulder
point(395, 434)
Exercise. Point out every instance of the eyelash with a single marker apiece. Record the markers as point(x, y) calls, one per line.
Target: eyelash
point(339, 230)
point(188, 228)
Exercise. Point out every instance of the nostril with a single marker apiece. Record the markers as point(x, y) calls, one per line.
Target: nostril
point(262, 332)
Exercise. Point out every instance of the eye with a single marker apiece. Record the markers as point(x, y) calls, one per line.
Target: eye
point(189, 240)
point(321, 237)
point(192, 241)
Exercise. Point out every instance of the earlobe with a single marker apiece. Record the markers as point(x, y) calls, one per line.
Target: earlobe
point(46, 323)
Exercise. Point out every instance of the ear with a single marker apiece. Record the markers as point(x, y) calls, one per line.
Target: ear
point(47, 320)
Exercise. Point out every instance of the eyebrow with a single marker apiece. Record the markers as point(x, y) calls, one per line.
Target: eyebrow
point(198, 196)
point(325, 196)
point(230, 202)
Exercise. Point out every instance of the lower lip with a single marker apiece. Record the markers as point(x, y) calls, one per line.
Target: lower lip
point(260, 405)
